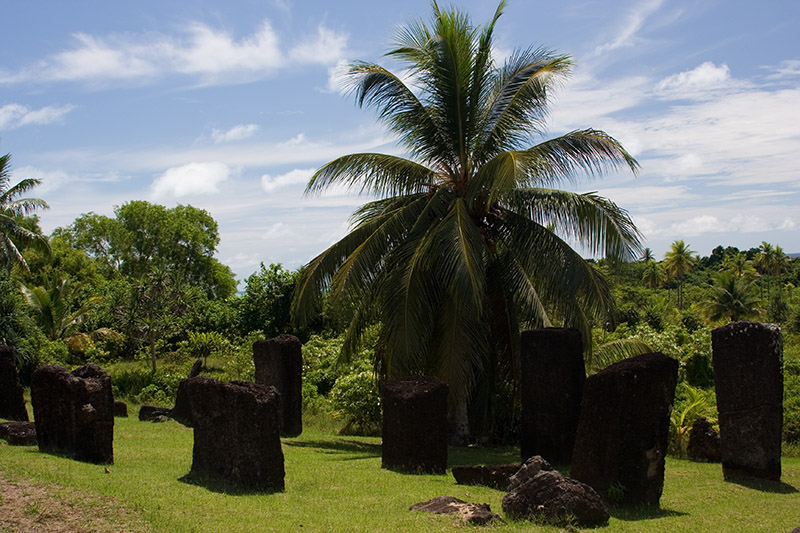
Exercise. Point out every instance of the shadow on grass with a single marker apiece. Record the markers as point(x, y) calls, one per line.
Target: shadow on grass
point(763, 485)
point(340, 446)
point(223, 487)
point(644, 512)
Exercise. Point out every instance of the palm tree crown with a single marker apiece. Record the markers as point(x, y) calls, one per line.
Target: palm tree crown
point(466, 244)
point(678, 262)
point(12, 208)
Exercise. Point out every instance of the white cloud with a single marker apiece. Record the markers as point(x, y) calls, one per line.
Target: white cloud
point(786, 69)
point(54, 179)
point(327, 47)
point(236, 133)
point(696, 83)
point(17, 115)
point(277, 230)
point(627, 34)
point(200, 51)
point(189, 180)
point(645, 196)
point(294, 177)
point(337, 77)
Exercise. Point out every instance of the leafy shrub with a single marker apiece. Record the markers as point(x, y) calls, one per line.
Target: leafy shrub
point(355, 399)
point(690, 404)
point(241, 365)
point(699, 371)
point(145, 386)
point(791, 402)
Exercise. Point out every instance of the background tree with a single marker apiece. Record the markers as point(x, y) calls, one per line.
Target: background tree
point(678, 261)
point(465, 247)
point(265, 304)
point(731, 298)
point(143, 237)
point(652, 274)
point(13, 232)
point(54, 307)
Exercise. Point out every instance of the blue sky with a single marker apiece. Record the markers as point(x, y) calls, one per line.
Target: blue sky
point(231, 106)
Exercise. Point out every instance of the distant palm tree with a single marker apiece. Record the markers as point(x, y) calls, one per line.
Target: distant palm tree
point(771, 262)
point(731, 298)
point(678, 262)
point(740, 266)
point(52, 308)
point(464, 248)
point(652, 274)
point(12, 208)
point(647, 256)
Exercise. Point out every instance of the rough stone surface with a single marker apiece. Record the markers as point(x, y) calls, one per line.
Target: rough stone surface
point(279, 364)
point(624, 428)
point(197, 367)
point(74, 412)
point(748, 375)
point(151, 413)
point(12, 402)
point(704, 442)
point(18, 433)
point(182, 412)
point(415, 425)
point(478, 514)
point(494, 476)
point(236, 433)
point(553, 376)
point(121, 409)
point(540, 493)
point(528, 470)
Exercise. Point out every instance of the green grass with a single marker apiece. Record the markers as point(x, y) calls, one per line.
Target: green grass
point(335, 483)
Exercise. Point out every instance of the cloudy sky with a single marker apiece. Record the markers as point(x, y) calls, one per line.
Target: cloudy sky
point(231, 107)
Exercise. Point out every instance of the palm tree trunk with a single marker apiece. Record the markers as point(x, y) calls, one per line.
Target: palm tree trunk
point(153, 352)
point(458, 424)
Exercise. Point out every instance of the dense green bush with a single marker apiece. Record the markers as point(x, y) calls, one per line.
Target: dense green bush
point(355, 399)
point(791, 401)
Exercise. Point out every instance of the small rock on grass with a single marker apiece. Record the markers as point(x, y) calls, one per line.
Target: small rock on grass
point(479, 514)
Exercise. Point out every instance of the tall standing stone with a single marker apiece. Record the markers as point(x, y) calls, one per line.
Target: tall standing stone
point(12, 401)
point(624, 429)
point(74, 412)
point(553, 375)
point(415, 425)
point(236, 433)
point(748, 374)
point(279, 364)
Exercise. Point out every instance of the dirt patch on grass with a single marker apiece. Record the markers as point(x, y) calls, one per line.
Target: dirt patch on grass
point(27, 507)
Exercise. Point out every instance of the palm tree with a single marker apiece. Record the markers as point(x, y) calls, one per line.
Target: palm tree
point(771, 262)
point(678, 262)
point(739, 266)
point(652, 274)
point(731, 298)
point(647, 256)
point(12, 208)
point(466, 245)
point(53, 308)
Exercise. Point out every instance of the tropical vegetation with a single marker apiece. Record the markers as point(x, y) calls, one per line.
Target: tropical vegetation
point(468, 241)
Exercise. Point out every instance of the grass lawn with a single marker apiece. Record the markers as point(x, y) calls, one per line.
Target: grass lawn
point(335, 483)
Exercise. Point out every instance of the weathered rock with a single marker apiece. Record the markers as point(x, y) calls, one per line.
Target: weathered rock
point(151, 413)
point(624, 428)
point(121, 409)
point(74, 412)
point(553, 376)
point(478, 514)
point(18, 433)
point(550, 497)
point(704, 442)
point(182, 411)
point(748, 375)
point(528, 470)
point(494, 476)
point(197, 367)
point(279, 364)
point(415, 425)
point(236, 433)
point(12, 401)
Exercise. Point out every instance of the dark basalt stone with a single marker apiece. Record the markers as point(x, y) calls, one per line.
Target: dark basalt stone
point(74, 412)
point(120, 409)
point(748, 375)
point(236, 433)
point(279, 364)
point(476, 514)
point(623, 431)
point(537, 492)
point(494, 476)
point(152, 413)
point(12, 401)
point(553, 376)
point(18, 433)
point(704, 443)
point(415, 425)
